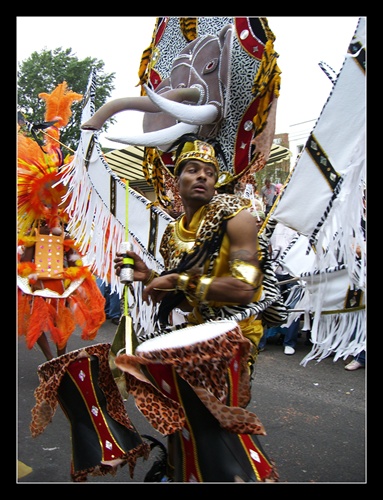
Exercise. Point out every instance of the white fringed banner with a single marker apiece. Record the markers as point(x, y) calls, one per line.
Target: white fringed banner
point(97, 199)
point(324, 200)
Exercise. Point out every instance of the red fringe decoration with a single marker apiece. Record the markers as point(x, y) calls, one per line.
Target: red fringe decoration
point(23, 311)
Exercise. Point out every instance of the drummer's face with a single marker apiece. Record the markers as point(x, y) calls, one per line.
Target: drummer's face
point(196, 182)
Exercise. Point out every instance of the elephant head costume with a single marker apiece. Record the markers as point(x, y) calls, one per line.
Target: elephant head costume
point(222, 83)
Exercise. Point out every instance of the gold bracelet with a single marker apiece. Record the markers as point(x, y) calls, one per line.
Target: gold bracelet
point(182, 282)
point(203, 288)
point(151, 277)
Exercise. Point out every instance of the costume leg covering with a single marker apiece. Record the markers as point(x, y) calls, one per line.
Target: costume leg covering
point(103, 436)
point(96, 437)
point(204, 451)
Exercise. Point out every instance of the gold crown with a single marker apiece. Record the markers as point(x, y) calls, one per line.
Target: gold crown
point(197, 150)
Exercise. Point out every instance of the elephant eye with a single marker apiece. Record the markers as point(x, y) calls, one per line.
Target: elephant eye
point(181, 86)
point(210, 66)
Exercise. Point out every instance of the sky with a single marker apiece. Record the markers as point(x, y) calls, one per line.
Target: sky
point(302, 42)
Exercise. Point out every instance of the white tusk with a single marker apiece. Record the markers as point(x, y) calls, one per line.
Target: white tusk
point(187, 113)
point(111, 108)
point(161, 139)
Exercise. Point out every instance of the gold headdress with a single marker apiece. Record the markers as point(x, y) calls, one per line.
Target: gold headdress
point(197, 150)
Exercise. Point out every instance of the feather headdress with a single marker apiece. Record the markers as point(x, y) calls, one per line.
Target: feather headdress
point(39, 190)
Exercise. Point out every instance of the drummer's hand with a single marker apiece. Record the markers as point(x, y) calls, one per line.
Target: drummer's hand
point(159, 288)
point(141, 270)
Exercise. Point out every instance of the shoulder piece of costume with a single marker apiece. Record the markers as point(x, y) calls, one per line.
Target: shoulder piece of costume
point(271, 306)
point(221, 208)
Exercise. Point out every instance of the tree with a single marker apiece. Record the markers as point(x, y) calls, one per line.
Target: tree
point(43, 71)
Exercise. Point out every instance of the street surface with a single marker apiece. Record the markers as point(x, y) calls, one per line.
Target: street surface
point(315, 419)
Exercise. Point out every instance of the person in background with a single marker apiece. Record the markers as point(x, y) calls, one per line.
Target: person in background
point(359, 361)
point(45, 308)
point(56, 291)
point(112, 301)
point(279, 241)
point(269, 193)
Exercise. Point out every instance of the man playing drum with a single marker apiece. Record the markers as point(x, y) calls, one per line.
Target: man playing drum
point(212, 261)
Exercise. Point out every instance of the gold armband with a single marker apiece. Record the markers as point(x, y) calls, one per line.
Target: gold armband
point(246, 272)
point(182, 282)
point(203, 288)
point(151, 277)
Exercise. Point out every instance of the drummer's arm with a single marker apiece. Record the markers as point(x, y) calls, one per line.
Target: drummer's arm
point(238, 288)
point(220, 289)
point(246, 275)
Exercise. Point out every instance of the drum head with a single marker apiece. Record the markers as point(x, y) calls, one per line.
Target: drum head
point(187, 336)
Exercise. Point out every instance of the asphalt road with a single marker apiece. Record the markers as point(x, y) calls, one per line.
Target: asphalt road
point(315, 419)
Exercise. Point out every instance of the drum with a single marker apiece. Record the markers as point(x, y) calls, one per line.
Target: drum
point(201, 376)
point(199, 353)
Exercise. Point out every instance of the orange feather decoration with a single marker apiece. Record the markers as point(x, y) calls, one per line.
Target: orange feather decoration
point(39, 190)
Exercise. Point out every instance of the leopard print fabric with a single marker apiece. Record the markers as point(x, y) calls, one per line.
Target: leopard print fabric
point(164, 414)
point(204, 366)
point(221, 207)
point(50, 375)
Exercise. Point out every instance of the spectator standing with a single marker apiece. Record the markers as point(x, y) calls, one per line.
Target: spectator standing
point(359, 361)
point(269, 193)
point(112, 301)
point(279, 241)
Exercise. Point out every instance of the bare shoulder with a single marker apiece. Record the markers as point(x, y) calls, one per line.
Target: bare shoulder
point(242, 217)
point(242, 226)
